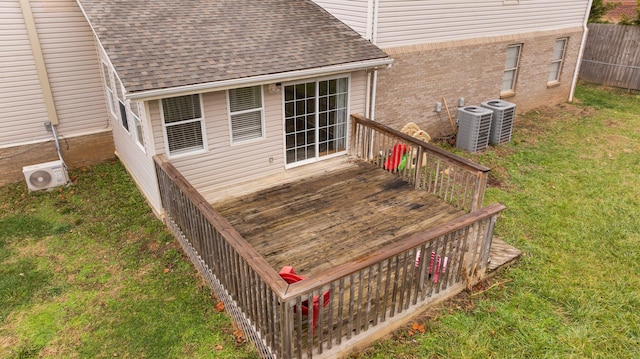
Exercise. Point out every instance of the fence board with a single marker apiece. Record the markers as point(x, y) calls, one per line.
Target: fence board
point(612, 56)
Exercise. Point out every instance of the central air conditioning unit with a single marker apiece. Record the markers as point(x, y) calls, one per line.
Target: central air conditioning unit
point(45, 175)
point(502, 124)
point(474, 126)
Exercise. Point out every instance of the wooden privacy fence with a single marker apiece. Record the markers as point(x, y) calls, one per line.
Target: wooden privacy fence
point(612, 56)
point(366, 297)
point(453, 179)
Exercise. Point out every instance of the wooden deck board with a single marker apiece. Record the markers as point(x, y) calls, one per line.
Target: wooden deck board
point(319, 222)
point(501, 254)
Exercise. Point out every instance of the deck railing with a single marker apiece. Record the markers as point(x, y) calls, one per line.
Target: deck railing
point(454, 179)
point(365, 298)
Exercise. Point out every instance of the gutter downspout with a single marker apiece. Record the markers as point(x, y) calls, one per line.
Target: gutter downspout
point(585, 33)
point(38, 58)
point(372, 31)
point(43, 76)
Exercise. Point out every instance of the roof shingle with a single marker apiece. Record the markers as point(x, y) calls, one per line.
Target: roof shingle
point(169, 43)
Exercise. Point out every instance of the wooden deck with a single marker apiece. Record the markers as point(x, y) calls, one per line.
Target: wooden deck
point(324, 221)
point(353, 229)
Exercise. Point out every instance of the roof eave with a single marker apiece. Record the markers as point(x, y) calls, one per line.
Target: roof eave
point(259, 80)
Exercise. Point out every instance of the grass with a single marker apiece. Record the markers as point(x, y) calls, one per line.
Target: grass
point(87, 271)
point(571, 181)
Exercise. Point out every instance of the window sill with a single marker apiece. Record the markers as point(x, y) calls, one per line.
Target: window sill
point(553, 84)
point(507, 94)
point(185, 153)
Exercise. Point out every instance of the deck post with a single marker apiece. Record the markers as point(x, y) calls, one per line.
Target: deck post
point(478, 192)
point(286, 330)
point(354, 137)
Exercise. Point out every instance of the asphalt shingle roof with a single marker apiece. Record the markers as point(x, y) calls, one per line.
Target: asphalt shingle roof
point(156, 44)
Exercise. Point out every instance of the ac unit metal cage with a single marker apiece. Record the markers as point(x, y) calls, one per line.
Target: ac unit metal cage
point(502, 122)
point(474, 126)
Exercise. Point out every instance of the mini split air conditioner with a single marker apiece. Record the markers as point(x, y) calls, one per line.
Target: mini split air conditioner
point(502, 123)
point(474, 126)
point(45, 175)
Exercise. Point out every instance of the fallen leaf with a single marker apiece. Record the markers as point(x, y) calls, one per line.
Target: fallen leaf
point(166, 270)
point(411, 333)
point(218, 347)
point(418, 327)
point(239, 336)
point(220, 307)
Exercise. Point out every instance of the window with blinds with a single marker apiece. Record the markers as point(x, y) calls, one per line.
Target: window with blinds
point(183, 124)
point(246, 113)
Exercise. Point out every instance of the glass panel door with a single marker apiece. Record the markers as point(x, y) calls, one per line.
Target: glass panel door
point(315, 119)
point(300, 121)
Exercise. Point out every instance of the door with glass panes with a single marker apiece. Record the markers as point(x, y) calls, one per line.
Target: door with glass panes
point(315, 119)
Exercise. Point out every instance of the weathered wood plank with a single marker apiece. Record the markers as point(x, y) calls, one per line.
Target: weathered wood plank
point(343, 215)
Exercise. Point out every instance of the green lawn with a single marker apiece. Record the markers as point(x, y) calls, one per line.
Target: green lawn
point(88, 272)
point(571, 181)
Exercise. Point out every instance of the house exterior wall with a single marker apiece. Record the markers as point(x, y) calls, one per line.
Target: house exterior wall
point(225, 164)
point(403, 23)
point(137, 158)
point(473, 70)
point(458, 50)
point(357, 14)
point(73, 70)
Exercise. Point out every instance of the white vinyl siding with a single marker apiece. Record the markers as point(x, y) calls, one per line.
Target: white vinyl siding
point(412, 22)
point(226, 164)
point(139, 164)
point(351, 12)
point(558, 59)
point(511, 68)
point(246, 113)
point(22, 104)
point(183, 124)
point(73, 66)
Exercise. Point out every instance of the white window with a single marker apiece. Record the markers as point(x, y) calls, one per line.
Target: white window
point(246, 113)
point(137, 124)
point(183, 124)
point(558, 59)
point(109, 89)
point(511, 68)
point(122, 108)
point(123, 115)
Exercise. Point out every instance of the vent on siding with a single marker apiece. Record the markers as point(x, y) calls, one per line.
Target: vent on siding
point(474, 126)
point(502, 122)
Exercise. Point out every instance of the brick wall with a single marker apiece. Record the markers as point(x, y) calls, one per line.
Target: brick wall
point(76, 151)
point(470, 69)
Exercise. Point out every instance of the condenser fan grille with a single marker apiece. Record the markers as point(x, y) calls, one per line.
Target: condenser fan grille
point(40, 179)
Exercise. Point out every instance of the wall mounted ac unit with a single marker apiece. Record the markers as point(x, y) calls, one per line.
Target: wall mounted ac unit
point(45, 175)
point(474, 126)
point(502, 122)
